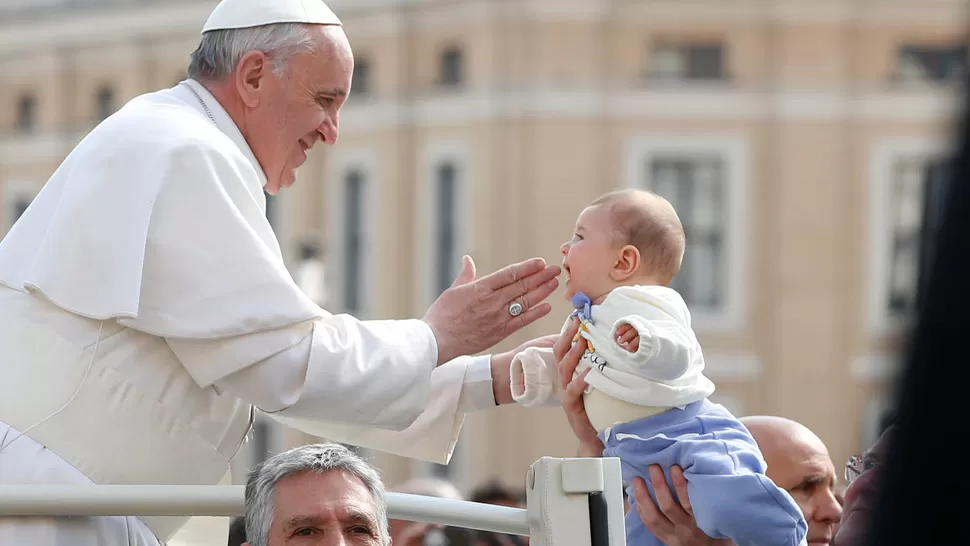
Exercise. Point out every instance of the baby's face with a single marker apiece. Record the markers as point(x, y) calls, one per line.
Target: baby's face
point(589, 257)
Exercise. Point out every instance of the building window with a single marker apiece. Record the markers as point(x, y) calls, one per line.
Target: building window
point(452, 69)
point(704, 177)
point(686, 62)
point(695, 188)
point(908, 183)
point(26, 113)
point(446, 207)
point(362, 77)
point(939, 64)
point(353, 242)
point(106, 102)
point(445, 235)
point(916, 190)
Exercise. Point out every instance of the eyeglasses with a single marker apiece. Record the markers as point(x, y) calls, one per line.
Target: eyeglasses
point(856, 466)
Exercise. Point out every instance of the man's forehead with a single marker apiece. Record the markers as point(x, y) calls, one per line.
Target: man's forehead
point(331, 42)
point(801, 460)
point(816, 469)
point(342, 512)
point(317, 491)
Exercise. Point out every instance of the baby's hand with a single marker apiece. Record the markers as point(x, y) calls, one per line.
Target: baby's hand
point(628, 338)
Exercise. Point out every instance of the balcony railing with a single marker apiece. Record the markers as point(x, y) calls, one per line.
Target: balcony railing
point(227, 500)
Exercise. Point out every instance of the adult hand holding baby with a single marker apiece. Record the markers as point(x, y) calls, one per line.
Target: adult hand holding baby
point(670, 518)
point(571, 389)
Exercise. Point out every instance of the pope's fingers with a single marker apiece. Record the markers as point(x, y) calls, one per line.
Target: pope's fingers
point(528, 317)
point(538, 294)
point(512, 274)
point(523, 287)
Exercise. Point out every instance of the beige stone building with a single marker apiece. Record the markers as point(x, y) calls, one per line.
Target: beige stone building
point(795, 137)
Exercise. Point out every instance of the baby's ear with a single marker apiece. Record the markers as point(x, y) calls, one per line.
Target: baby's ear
point(627, 263)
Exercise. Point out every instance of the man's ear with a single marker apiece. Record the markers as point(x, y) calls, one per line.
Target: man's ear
point(250, 77)
point(627, 263)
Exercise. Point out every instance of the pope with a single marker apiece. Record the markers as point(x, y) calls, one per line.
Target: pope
point(145, 310)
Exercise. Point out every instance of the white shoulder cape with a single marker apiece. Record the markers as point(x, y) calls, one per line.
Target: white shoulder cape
point(163, 229)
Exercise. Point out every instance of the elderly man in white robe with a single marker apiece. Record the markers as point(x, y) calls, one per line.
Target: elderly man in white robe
point(145, 309)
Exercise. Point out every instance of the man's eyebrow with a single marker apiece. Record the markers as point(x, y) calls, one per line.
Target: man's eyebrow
point(335, 92)
point(299, 521)
point(360, 516)
point(815, 480)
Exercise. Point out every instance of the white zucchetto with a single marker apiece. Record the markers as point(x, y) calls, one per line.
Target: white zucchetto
point(253, 13)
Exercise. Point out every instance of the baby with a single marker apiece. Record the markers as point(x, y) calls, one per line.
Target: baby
point(647, 394)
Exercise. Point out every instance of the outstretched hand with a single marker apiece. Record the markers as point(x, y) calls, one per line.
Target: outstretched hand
point(474, 314)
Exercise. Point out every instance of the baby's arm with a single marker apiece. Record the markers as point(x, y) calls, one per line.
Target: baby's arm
point(535, 378)
point(662, 350)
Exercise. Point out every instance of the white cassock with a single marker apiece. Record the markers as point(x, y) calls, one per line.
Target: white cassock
point(145, 310)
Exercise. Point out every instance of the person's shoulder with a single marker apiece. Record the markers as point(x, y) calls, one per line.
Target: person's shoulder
point(664, 298)
point(646, 292)
point(159, 125)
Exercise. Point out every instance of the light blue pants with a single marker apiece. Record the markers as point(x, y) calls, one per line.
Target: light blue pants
point(730, 495)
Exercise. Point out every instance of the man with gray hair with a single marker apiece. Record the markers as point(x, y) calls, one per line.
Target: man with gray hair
point(146, 311)
point(316, 494)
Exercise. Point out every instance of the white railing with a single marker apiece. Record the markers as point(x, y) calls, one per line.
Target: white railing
point(228, 500)
point(571, 502)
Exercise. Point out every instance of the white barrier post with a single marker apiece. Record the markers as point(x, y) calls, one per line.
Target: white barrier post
point(576, 502)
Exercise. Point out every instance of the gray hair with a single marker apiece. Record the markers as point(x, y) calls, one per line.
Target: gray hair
point(220, 50)
point(316, 458)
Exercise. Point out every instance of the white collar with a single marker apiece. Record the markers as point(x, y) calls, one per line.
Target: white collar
point(226, 124)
